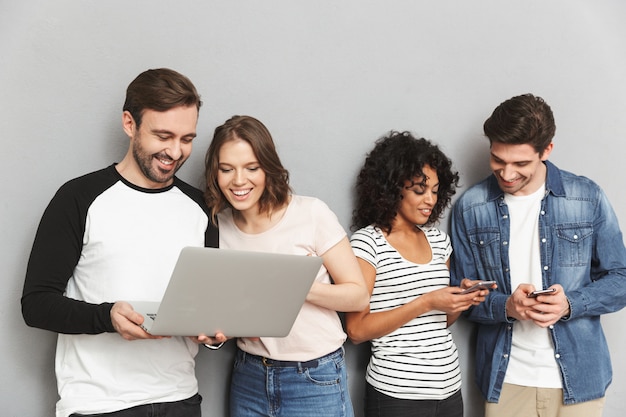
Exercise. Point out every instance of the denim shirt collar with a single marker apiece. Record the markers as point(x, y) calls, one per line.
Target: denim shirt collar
point(554, 184)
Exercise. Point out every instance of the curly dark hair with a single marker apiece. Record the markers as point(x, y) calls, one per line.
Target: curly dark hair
point(396, 158)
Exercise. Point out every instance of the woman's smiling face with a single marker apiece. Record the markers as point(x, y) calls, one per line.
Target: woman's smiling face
point(419, 197)
point(240, 176)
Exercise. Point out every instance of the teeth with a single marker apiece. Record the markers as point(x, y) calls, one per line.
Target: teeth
point(241, 193)
point(166, 161)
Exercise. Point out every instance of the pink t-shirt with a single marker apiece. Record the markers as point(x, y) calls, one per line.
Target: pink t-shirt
point(308, 227)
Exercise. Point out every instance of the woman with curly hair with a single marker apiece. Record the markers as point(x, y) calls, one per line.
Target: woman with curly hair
point(402, 191)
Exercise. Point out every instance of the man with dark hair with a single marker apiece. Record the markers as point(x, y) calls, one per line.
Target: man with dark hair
point(113, 235)
point(531, 226)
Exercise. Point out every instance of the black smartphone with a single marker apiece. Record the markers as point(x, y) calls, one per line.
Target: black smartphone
point(481, 285)
point(534, 294)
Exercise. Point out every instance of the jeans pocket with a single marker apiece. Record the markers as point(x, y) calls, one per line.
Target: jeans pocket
point(326, 373)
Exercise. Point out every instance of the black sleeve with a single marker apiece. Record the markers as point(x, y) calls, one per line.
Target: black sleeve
point(55, 253)
point(211, 236)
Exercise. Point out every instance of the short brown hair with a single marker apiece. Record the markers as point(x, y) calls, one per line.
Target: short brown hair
point(254, 132)
point(159, 89)
point(524, 119)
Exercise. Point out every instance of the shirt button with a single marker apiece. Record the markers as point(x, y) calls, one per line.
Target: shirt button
point(575, 237)
point(543, 240)
point(545, 268)
point(551, 326)
point(505, 243)
point(505, 216)
point(506, 355)
point(557, 356)
point(543, 212)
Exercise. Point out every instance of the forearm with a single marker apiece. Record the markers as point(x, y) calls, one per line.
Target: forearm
point(491, 311)
point(344, 297)
point(364, 327)
point(57, 313)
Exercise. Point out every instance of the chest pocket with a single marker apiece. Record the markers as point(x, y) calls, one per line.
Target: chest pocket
point(574, 243)
point(486, 248)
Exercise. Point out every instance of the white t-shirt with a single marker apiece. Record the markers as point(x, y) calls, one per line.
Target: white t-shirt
point(531, 362)
point(308, 227)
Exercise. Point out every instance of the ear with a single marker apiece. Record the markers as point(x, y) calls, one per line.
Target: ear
point(546, 152)
point(128, 124)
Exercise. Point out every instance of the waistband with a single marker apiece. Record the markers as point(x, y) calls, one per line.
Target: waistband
point(267, 362)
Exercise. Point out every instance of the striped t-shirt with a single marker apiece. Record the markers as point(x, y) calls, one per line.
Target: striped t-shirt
point(418, 361)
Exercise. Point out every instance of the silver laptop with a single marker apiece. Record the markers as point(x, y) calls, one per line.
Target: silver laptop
point(238, 293)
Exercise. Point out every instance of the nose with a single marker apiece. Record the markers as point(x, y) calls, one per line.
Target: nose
point(507, 173)
point(239, 178)
point(174, 150)
point(429, 197)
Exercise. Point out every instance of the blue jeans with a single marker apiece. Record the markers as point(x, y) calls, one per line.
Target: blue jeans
point(378, 404)
point(315, 388)
point(185, 408)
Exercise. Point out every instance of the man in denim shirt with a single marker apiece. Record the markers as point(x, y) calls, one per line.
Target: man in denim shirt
point(531, 226)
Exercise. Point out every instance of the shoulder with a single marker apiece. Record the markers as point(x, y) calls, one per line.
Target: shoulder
point(311, 206)
point(437, 237)
point(192, 192)
point(573, 183)
point(367, 233)
point(435, 233)
point(187, 188)
point(367, 243)
point(368, 237)
point(478, 194)
point(478, 191)
point(87, 187)
point(309, 202)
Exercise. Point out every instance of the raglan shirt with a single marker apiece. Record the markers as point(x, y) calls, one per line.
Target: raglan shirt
point(101, 240)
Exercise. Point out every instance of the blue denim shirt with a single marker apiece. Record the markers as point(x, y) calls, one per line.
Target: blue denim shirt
point(581, 248)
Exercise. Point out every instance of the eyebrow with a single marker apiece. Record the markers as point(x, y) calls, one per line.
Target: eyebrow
point(170, 133)
point(525, 161)
point(422, 184)
point(247, 164)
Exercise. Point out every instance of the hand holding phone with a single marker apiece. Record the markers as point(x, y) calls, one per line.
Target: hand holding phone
point(534, 294)
point(480, 285)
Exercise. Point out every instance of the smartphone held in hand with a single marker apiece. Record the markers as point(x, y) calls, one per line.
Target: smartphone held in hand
point(480, 285)
point(534, 294)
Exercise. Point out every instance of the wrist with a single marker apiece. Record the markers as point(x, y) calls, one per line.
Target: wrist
point(568, 311)
point(508, 309)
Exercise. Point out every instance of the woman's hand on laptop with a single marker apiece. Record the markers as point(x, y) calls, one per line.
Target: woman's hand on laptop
point(127, 322)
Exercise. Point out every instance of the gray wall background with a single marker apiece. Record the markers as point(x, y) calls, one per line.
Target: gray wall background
point(327, 78)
